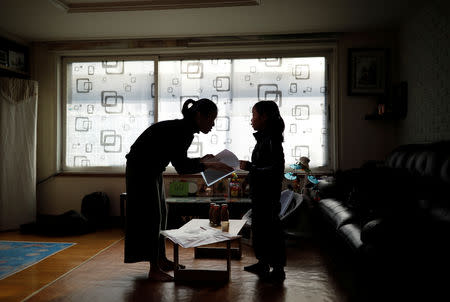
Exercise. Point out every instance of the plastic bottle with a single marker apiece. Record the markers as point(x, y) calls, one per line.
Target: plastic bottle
point(234, 186)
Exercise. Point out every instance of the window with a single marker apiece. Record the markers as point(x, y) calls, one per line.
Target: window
point(109, 103)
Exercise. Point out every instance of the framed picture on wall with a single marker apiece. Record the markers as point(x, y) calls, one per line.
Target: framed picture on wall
point(367, 71)
point(17, 60)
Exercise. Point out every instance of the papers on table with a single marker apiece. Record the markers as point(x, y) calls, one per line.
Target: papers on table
point(227, 157)
point(197, 236)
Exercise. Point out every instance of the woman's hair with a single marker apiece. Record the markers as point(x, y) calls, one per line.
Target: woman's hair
point(204, 106)
point(275, 123)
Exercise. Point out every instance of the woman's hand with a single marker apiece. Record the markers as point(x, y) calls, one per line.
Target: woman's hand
point(210, 163)
point(217, 165)
point(243, 164)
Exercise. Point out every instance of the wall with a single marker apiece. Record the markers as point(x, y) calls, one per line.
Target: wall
point(425, 62)
point(360, 139)
point(44, 69)
point(63, 193)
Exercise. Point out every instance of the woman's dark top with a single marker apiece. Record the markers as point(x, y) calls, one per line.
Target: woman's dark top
point(164, 142)
point(267, 164)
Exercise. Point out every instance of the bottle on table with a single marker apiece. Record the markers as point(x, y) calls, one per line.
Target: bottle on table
point(211, 213)
point(224, 218)
point(216, 215)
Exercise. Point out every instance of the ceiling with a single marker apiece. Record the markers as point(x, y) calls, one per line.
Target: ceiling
point(44, 20)
point(77, 6)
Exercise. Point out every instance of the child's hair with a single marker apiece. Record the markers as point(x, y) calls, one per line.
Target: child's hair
point(275, 123)
point(204, 106)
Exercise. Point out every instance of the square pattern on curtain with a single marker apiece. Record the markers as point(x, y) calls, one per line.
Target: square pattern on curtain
point(110, 103)
point(297, 85)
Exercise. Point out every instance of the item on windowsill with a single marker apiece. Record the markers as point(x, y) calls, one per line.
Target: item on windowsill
point(312, 179)
point(220, 188)
point(303, 166)
point(192, 189)
point(179, 188)
point(208, 192)
point(235, 186)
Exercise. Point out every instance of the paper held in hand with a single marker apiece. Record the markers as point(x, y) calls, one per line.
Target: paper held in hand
point(225, 156)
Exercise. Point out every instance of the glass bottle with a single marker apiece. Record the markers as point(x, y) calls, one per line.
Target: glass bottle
point(224, 214)
point(224, 218)
point(216, 215)
point(211, 212)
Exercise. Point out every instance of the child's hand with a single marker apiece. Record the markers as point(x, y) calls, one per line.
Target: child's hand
point(243, 164)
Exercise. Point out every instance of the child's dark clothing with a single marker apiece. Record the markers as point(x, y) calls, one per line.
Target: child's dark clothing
point(265, 179)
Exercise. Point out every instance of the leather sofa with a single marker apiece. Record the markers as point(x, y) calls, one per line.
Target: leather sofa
point(392, 213)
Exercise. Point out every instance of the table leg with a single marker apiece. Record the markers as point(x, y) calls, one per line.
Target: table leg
point(229, 258)
point(175, 259)
point(239, 248)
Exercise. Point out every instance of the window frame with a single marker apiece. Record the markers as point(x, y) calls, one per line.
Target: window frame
point(328, 51)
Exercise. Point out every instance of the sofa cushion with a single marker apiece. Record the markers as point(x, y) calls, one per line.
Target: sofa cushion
point(374, 232)
point(327, 188)
point(335, 212)
point(352, 234)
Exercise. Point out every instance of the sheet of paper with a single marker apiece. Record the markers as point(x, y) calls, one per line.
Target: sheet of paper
point(201, 235)
point(225, 156)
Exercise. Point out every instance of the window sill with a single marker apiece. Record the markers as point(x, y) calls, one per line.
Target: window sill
point(90, 174)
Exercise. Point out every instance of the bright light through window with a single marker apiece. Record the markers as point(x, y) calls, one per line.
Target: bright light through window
point(110, 103)
point(297, 85)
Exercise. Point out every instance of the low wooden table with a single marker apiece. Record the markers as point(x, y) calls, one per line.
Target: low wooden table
point(207, 275)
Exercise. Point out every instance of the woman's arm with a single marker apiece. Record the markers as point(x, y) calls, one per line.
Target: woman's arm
point(185, 165)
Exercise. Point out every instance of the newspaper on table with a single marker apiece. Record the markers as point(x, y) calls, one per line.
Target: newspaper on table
point(225, 156)
point(197, 236)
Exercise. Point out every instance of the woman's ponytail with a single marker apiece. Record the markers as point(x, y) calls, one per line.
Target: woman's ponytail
point(204, 106)
point(187, 110)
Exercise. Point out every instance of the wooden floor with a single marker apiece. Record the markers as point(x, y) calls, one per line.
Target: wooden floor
point(93, 270)
point(21, 285)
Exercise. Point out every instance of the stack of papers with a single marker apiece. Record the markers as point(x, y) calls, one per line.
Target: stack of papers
point(227, 157)
point(200, 235)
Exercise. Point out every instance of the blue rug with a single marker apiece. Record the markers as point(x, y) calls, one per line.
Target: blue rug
point(18, 255)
